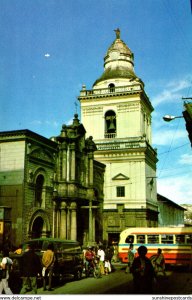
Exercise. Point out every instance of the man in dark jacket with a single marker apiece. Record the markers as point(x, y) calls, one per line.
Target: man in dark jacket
point(31, 267)
point(143, 272)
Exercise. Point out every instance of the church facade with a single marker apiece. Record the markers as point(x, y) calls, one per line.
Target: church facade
point(50, 187)
point(86, 189)
point(121, 110)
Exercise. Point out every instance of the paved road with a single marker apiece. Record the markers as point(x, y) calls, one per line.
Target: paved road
point(177, 282)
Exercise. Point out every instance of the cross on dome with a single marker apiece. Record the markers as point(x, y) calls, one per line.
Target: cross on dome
point(118, 32)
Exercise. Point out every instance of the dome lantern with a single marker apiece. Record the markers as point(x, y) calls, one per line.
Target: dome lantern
point(118, 61)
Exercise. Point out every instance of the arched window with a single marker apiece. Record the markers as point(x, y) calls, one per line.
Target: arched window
point(110, 124)
point(111, 87)
point(39, 190)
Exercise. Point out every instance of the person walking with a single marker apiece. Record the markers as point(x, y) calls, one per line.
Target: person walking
point(6, 265)
point(143, 272)
point(159, 263)
point(31, 268)
point(101, 255)
point(131, 255)
point(48, 261)
point(89, 258)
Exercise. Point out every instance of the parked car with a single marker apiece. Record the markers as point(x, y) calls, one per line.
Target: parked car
point(69, 257)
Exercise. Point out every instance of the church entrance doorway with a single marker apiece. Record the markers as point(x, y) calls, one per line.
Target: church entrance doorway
point(37, 228)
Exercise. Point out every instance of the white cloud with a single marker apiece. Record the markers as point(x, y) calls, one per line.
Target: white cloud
point(36, 122)
point(165, 137)
point(52, 123)
point(186, 159)
point(175, 187)
point(172, 91)
point(69, 122)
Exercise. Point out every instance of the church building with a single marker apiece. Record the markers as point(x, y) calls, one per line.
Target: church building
point(97, 177)
point(50, 187)
point(117, 113)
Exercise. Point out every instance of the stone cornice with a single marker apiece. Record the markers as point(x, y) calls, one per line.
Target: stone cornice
point(25, 134)
point(96, 94)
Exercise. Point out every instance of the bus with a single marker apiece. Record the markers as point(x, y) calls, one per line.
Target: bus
point(175, 242)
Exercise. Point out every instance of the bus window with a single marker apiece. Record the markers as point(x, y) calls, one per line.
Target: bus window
point(141, 239)
point(189, 238)
point(167, 239)
point(129, 239)
point(180, 238)
point(153, 238)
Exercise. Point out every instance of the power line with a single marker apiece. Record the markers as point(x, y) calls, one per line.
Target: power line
point(173, 149)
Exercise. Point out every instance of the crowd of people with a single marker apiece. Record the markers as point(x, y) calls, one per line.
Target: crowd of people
point(90, 254)
point(143, 270)
point(32, 267)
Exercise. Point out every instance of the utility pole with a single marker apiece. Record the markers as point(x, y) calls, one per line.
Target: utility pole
point(187, 114)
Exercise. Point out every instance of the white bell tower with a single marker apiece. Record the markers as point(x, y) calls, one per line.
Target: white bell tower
point(117, 113)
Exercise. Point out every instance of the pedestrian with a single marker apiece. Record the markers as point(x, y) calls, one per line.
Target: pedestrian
point(18, 250)
point(159, 262)
point(48, 261)
point(89, 258)
point(31, 269)
point(115, 252)
point(6, 265)
point(107, 267)
point(143, 272)
point(109, 253)
point(101, 255)
point(130, 256)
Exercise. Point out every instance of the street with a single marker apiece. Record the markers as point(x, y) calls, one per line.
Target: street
point(178, 282)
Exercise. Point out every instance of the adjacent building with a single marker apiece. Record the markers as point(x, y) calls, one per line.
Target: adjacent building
point(170, 213)
point(50, 187)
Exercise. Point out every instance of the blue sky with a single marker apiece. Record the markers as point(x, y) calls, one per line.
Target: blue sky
point(39, 92)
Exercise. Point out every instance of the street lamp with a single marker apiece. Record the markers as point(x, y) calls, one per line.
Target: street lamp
point(187, 115)
point(168, 118)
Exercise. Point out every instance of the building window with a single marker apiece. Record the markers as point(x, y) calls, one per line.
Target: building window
point(120, 191)
point(111, 87)
point(110, 124)
point(39, 190)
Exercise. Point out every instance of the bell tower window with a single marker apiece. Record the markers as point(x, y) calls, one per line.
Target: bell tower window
point(110, 124)
point(111, 87)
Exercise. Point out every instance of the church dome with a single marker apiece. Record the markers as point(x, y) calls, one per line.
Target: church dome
point(118, 61)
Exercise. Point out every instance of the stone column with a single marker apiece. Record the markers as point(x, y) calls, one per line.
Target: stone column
point(90, 222)
point(63, 223)
point(86, 170)
point(93, 225)
point(68, 223)
point(72, 162)
point(58, 219)
point(73, 221)
point(60, 164)
point(54, 218)
point(90, 168)
point(64, 161)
